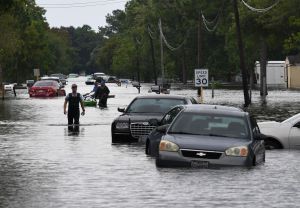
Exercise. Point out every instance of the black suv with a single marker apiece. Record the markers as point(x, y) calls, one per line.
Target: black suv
point(133, 125)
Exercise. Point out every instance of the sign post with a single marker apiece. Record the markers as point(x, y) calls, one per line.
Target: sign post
point(201, 80)
point(1, 84)
point(37, 74)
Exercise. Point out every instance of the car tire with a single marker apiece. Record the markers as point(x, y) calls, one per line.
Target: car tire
point(115, 139)
point(159, 163)
point(271, 144)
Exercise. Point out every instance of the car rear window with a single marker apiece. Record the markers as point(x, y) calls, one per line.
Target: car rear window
point(154, 105)
point(44, 84)
point(210, 125)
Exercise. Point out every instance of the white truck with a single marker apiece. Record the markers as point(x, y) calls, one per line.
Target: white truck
point(276, 74)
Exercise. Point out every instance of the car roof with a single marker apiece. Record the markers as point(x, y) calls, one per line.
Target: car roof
point(49, 78)
point(49, 81)
point(214, 109)
point(162, 97)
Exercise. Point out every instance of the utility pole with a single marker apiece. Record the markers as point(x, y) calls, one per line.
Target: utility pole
point(138, 64)
point(263, 69)
point(161, 54)
point(1, 83)
point(153, 56)
point(241, 53)
point(199, 55)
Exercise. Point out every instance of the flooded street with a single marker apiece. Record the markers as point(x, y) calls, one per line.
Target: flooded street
point(42, 165)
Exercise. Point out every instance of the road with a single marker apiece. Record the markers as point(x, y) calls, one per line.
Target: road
point(42, 165)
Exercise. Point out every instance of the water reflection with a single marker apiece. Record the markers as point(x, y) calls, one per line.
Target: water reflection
point(41, 165)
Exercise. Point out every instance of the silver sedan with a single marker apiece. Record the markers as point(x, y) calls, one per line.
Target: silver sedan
point(211, 137)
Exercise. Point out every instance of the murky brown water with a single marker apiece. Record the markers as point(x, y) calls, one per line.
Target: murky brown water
point(41, 165)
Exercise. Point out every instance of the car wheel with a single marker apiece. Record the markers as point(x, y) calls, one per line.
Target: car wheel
point(115, 139)
point(271, 144)
point(159, 163)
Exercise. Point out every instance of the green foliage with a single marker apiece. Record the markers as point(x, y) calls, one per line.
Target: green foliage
point(123, 46)
point(278, 28)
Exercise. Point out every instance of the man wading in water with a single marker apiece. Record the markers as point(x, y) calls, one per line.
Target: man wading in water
point(102, 94)
point(74, 99)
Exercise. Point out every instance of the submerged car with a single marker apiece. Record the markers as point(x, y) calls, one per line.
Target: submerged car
point(154, 138)
point(62, 78)
point(46, 88)
point(90, 80)
point(73, 76)
point(133, 125)
point(282, 135)
point(56, 79)
point(9, 87)
point(211, 137)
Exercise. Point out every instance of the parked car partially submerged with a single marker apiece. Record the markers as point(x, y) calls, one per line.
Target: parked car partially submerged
point(154, 138)
point(9, 87)
point(90, 80)
point(46, 88)
point(282, 135)
point(211, 136)
point(133, 125)
point(73, 76)
point(62, 78)
point(56, 79)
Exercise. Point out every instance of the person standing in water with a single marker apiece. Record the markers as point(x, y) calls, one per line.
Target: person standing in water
point(102, 94)
point(73, 100)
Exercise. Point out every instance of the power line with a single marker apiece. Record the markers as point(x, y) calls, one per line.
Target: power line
point(165, 40)
point(83, 5)
point(151, 33)
point(215, 21)
point(206, 24)
point(260, 10)
point(74, 3)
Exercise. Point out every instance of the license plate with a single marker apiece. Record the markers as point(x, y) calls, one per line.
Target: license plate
point(40, 91)
point(199, 164)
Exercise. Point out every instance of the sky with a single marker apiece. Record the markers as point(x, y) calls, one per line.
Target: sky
point(79, 12)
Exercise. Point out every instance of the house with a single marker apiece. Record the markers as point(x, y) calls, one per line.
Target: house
point(292, 64)
point(276, 74)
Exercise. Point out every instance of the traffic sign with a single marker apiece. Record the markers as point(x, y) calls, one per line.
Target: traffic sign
point(36, 72)
point(201, 77)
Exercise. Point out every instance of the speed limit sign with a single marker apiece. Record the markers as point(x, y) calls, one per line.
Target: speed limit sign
point(201, 77)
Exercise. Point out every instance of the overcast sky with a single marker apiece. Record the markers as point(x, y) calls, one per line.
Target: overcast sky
point(79, 12)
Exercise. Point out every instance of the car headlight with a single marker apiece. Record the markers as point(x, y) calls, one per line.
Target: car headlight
point(122, 125)
point(168, 146)
point(237, 151)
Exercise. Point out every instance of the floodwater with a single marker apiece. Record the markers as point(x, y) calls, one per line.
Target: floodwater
point(42, 165)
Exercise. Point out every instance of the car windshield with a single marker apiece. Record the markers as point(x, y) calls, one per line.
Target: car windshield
point(153, 105)
point(210, 125)
point(44, 84)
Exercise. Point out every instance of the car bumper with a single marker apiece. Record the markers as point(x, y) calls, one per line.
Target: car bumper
point(42, 95)
point(124, 137)
point(175, 159)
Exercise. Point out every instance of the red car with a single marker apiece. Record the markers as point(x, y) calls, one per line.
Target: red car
point(46, 88)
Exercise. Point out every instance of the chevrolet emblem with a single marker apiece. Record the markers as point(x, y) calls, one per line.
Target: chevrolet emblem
point(201, 154)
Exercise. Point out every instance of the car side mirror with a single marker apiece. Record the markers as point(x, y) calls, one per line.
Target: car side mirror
point(260, 137)
point(297, 125)
point(121, 110)
point(163, 129)
point(154, 122)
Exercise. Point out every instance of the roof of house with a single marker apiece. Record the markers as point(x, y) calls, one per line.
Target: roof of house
point(294, 59)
